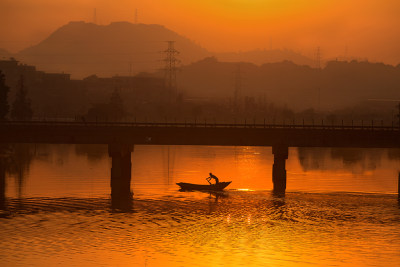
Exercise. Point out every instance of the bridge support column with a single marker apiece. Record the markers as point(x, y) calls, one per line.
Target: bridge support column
point(121, 194)
point(281, 153)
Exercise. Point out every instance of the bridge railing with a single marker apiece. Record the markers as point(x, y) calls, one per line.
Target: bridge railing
point(47, 123)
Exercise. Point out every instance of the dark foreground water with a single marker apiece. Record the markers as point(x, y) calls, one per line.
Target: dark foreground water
point(340, 209)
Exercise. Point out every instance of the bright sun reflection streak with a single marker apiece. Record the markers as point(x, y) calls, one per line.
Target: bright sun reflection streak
point(245, 189)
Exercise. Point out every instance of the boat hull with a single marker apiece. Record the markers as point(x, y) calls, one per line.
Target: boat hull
point(204, 187)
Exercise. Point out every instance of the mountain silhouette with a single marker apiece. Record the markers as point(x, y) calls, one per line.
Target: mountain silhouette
point(260, 57)
point(120, 48)
point(123, 48)
point(339, 84)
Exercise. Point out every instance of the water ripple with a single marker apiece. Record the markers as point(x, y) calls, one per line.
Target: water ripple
point(178, 229)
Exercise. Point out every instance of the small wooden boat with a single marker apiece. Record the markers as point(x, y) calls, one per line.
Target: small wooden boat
point(204, 187)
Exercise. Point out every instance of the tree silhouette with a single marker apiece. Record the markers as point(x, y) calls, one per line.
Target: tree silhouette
point(21, 108)
point(4, 89)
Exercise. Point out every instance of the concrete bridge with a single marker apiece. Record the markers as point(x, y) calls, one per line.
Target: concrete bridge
point(121, 138)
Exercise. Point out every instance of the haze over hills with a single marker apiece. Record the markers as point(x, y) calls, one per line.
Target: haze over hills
point(207, 88)
point(340, 84)
point(260, 57)
point(120, 48)
point(123, 48)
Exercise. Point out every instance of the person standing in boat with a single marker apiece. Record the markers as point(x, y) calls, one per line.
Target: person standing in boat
point(212, 176)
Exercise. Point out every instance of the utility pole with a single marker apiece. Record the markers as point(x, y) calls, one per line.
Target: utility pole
point(318, 66)
point(170, 69)
point(237, 94)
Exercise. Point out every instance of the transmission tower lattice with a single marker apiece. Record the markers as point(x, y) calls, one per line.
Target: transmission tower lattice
point(171, 68)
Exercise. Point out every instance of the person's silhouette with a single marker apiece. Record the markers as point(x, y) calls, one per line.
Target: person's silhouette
point(212, 176)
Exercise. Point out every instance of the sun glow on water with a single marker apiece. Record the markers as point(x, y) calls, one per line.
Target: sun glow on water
point(245, 189)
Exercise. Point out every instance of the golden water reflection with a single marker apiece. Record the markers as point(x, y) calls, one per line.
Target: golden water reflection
point(85, 170)
point(59, 212)
point(181, 229)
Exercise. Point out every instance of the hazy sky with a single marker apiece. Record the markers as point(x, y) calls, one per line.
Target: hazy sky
point(368, 28)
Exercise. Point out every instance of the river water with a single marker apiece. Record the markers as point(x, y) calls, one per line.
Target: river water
point(341, 208)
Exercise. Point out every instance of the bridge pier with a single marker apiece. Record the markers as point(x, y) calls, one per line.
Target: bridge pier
point(121, 194)
point(281, 153)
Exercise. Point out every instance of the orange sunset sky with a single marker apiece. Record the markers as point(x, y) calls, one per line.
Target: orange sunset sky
point(364, 28)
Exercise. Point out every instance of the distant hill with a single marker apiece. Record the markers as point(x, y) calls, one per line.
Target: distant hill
point(340, 84)
point(260, 57)
point(123, 48)
point(120, 48)
point(279, 76)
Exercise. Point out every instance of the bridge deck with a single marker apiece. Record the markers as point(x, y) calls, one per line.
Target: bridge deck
point(293, 135)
